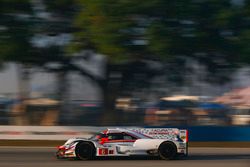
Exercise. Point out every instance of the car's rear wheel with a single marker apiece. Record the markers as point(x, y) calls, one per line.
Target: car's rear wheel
point(167, 151)
point(85, 151)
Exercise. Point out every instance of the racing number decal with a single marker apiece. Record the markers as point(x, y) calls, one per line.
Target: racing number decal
point(103, 151)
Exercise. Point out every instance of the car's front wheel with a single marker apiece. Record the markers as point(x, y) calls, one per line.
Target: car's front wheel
point(85, 151)
point(167, 150)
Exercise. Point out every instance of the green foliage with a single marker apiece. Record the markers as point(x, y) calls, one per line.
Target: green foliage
point(216, 33)
point(172, 28)
point(15, 6)
point(243, 38)
point(15, 30)
point(62, 6)
point(100, 27)
point(19, 23)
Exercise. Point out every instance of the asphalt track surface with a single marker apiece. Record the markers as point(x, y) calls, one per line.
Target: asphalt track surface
point(200, 157)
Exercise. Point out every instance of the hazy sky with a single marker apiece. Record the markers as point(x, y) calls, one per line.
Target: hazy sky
point(82, 88)
point(8, 81)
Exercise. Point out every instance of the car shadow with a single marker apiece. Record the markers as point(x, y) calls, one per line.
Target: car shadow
point(192, 157)
point(217, 157)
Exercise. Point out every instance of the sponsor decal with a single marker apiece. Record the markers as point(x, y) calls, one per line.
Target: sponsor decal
point(111, 151)
point(157, 133)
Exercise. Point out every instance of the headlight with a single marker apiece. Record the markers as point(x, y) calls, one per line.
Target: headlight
point(70, 145)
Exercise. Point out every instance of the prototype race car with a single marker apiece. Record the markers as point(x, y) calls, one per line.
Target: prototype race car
point(168, 143)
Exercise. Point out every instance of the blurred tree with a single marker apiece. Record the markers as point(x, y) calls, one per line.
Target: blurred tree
point(15, 31)
point(129, 33)
point(243, 31)
point(115, 29)
point(214, 33)
point(201, 30)
point(32, 33)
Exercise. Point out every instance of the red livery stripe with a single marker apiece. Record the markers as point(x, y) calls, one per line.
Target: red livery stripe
point(119, 141)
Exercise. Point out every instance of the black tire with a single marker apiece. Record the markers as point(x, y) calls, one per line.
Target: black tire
point(85, 151)
point(167, 150)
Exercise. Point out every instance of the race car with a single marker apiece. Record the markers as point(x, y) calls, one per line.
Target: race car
point(167, 143)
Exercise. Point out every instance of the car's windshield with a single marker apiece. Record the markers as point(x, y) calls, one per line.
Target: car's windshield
point(97, 136)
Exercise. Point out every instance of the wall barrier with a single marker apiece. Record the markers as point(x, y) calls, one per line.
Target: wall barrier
point(218, 133)
point(214, 133)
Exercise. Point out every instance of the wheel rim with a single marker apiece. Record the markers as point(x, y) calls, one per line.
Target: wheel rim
point(84, 151)
point(167, 151)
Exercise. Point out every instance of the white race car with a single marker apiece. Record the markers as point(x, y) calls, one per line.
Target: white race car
point(167, 143)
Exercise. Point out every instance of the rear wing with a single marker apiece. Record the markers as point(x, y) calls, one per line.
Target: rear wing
point(183, 133)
